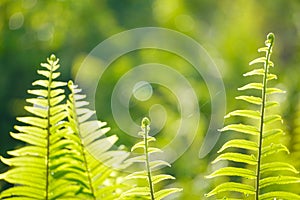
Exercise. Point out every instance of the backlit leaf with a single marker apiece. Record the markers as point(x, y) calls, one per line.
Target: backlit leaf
point(233, 171)
point(256, 86)
point(239, 143)
point(166, 192)
point(258, 60)
point(250, 99)
point(241, 128)
point(278, 180)
point(232, 187)
point(237, 157)
point(278, 166)
point(244, 113)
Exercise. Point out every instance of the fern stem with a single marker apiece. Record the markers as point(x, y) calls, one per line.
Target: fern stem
point(87, 169)
point(82, 146)
point(148, 164)
point(270, 42)
point(52, 58)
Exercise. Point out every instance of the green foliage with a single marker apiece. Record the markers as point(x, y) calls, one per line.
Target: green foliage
point(35, 167)
point(257, 169)
point(94, 165)
point(68, 154)
point(30, 29)
point(148, 191)
point(57, 152)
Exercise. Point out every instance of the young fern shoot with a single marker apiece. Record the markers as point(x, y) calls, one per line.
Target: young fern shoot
point(148, 192)
point(257, 154)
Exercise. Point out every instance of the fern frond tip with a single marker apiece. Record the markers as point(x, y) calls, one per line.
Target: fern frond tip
point(271, 37)
point(270, 40)
point(145, 122)
point(52, 57)
point(53, 60)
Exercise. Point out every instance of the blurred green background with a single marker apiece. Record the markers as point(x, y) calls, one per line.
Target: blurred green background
point(231, 32)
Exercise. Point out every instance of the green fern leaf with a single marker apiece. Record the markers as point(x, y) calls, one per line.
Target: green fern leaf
point(244, 113)
point(257, 166)
point(158, 163)
point(258, 60)
point(33, 170)
point(239, 143)
point(166, 192)
point(250, 99)
point(158, 178)
point(232, 187)
point(148, 192)
point(97, 167)
point(138, 191)
point(274, 91)
point(273, 148)
point(277, 166)
point(278, 180)
point(233, 171)
point(237, 157)
point(251, 86)
point(269, 134)
point(242, 128)
point(255, 72)
point(137, 175)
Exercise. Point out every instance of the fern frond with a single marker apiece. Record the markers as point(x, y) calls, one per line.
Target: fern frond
point(255, 155)
point(95, 164)
point(148, 191)
point(35, 167)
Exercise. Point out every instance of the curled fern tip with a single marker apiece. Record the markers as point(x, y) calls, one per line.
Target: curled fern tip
point(270, 39)
point(53, 57)
point(271, 36)
point(145, 122)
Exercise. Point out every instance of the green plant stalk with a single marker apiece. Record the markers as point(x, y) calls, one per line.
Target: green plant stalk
point(148, 164)
point(266, 68)
point(52, 58)
point(82, 146)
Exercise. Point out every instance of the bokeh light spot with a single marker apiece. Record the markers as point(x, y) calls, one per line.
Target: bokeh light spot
point(28, 4)
point(142, 91)
point(45, 32)
point(16, 21)
point(184, 23)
